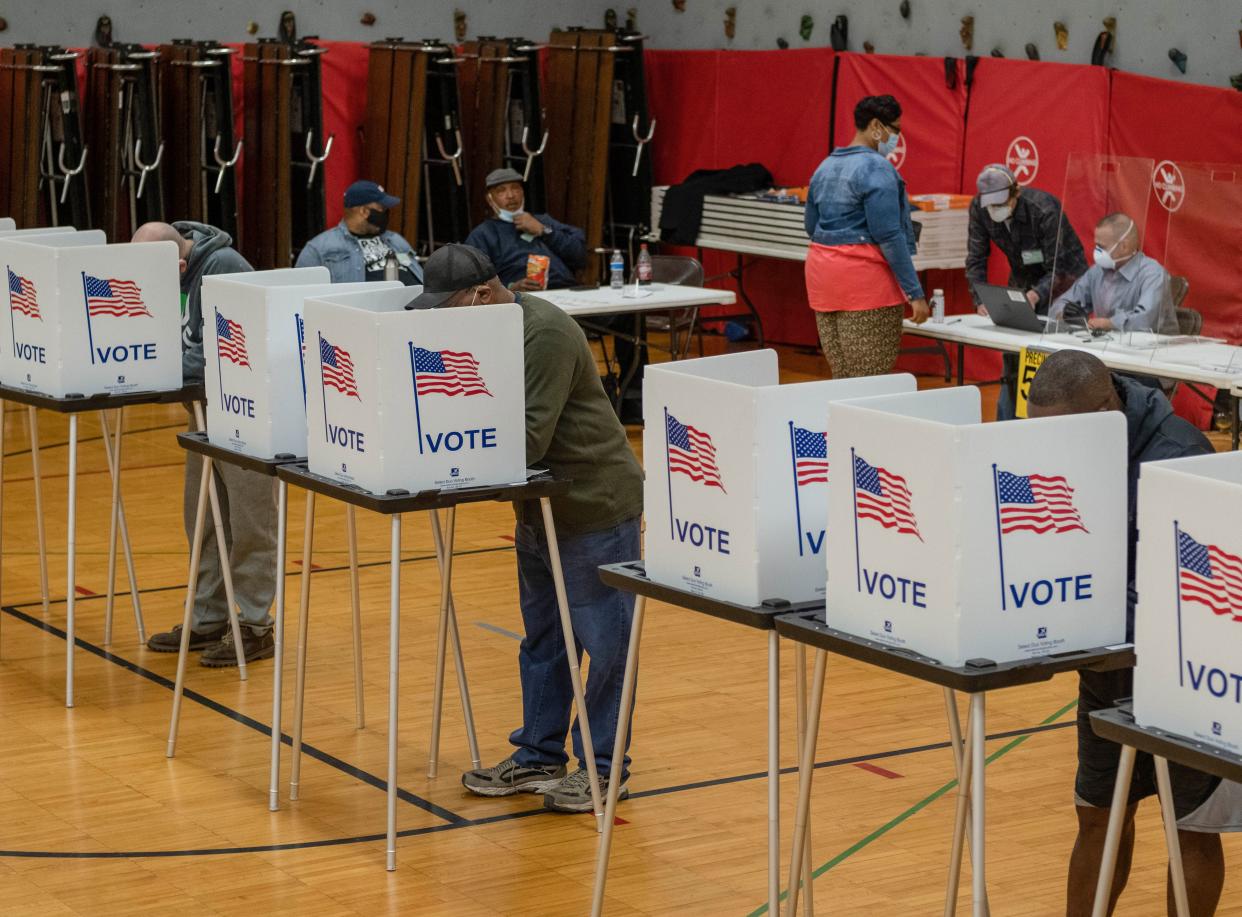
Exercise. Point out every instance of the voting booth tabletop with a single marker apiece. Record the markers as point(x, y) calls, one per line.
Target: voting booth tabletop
point(80, 404)
point(197, 442)
point(1118, 725)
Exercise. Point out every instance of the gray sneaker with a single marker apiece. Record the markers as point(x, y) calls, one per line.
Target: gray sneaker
point(509, 778)
point(573, 794)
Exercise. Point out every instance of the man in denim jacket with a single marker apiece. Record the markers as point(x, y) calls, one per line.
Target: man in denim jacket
point(359, 247)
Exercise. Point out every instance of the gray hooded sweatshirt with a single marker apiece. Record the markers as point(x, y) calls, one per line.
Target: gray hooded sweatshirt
point(212, 254)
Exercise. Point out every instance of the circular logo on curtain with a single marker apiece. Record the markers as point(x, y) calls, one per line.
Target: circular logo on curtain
point(1022, 158)
point(898, 156)
point(1170, 185)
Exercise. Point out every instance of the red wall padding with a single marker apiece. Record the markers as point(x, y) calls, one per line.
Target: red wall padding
point(344, 110)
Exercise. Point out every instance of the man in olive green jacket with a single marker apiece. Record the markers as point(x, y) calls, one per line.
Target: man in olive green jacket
point(572, 431)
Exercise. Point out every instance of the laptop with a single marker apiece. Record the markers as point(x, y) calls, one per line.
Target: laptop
point(1009, 308)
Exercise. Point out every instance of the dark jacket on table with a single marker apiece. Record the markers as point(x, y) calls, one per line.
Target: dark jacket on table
point(565, 246)
point(211, 254)
point(681, 216)
point(571, 427)
point(1029, 242)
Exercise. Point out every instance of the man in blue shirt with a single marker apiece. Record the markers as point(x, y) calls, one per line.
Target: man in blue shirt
point(512, 235)
point(360, 246)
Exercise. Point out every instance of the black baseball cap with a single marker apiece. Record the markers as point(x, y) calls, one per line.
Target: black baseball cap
point(368, 192)
point(450, 269)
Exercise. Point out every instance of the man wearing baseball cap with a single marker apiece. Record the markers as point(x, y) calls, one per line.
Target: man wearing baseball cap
point(1044, 253)
point(512, 235)
point(572, 431)
point(360, 247)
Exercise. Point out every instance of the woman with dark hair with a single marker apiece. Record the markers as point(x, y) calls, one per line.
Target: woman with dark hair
point(859, 270)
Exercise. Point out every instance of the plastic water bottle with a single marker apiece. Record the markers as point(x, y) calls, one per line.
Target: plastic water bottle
point(937, 306)
point(391, 269)
point(644, 265)
point(616, 267)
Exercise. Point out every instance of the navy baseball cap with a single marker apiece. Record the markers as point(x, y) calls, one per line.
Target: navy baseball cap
point(368, 192)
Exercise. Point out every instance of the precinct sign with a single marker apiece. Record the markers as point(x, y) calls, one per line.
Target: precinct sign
point(1029, 361)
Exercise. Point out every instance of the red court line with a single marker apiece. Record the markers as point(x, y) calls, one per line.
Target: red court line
point(891, 775)
point(82, 590)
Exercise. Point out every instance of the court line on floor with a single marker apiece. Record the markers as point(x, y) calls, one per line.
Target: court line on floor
point(318, 754)
point(43, 447)
point(927, 800)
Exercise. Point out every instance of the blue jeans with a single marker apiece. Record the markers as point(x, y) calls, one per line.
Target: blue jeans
point(601, 618)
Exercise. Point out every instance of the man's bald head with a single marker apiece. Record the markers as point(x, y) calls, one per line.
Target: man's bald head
point(1072, 382)
point(163, 232)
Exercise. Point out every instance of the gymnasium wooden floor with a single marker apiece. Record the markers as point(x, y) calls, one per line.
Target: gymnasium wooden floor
point(94, 819)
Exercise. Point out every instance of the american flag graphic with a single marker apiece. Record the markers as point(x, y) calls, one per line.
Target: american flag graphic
point(109, 296)
point(22, 296)
point(1209, 576)
point(231, 340)
point(690, 452)
point(811, 456)
point(447, 372)
point(1036, 503)
point(884, 497)
point(337, 368)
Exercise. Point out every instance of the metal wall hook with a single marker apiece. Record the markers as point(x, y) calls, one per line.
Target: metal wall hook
point(641, 141)
point(316, 160)
point(144, 167)
point(455, 159)
point(67, 172)
point(532, 155)
point(224, 164)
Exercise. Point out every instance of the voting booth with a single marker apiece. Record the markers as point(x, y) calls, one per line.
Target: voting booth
point(414, 400)
point(737, 476)
point(90, 318)
point(1188, 622)
point(6, 224)
point(253, 336)
point(961, 540)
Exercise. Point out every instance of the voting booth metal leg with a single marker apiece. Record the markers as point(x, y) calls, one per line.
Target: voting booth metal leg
point(444, 559)
point(774, 767)
point(278, 639)
point(960, 767)
point(1169, 814)
point(299, 679)
point(575, 671)
point(1, 501)
point(806, 773)
point(1112, 838)
point(628, 680)
point(196, 549)
point(40, 529)
point(808, 899)
point(978, 737)
point(71, 558)
point(351, 526)
point(112, 448)
point(394, 669)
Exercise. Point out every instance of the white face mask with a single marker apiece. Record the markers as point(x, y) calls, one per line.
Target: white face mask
point(1104, 256)
point(1000, 212)
point(508, 216)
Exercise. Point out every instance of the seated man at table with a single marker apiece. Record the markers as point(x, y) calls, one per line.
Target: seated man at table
point(511, 235)
point(1077, 382)
point(361, 247)
point(571, 430)
point(247, 498)
point(1124, 290)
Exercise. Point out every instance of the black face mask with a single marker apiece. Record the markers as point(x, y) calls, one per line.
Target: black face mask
point(378, 219)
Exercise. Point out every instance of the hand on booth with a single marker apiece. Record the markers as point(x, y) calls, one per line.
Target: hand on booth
point(920, 311)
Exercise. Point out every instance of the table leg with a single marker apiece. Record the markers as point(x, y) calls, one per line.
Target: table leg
point(628, 681)
point(1237, 414)
point(1112, 838)
point(961, 364)
point(575, 671)
point(808, 905)
point(806, 773)
point(351, 526)
point(1169, 813)
point(278, 638)
point(774, 771)
point(444, 559)
point(299, 678)
point(226, 571)
point(977, 801)
point(40, 527)
point(961, 815)
point(196, 547)
point(71, 558)
point(394, 667)
point(112, 451)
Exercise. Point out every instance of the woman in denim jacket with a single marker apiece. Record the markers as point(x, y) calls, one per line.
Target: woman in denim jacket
point(859, 270)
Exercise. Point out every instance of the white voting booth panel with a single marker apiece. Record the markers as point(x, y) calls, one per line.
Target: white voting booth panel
point(962, 540)
point(252, 344)
point(414, 400)
point(736, 494)
point(90, 318)
point(1188, 623)
point(7, 224)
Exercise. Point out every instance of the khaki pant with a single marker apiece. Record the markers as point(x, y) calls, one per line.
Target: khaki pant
point(862, 343)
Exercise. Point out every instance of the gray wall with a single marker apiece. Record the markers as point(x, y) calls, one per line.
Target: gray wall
point(1206, 30)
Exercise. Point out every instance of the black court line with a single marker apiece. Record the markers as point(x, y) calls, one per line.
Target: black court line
point(43, 447)
point(318, 754)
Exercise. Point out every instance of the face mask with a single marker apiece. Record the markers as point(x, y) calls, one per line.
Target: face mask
point(508, 216)
point(1000, 212)
point(378, 219)
point(888, 146)
point(1104, 256)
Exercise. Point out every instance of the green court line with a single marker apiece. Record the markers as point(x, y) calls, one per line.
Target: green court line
point(914, 809)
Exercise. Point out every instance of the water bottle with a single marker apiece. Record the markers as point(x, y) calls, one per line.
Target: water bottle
point(644, 265)
point(390, 267)
point(616, 267)
point(937, 306)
